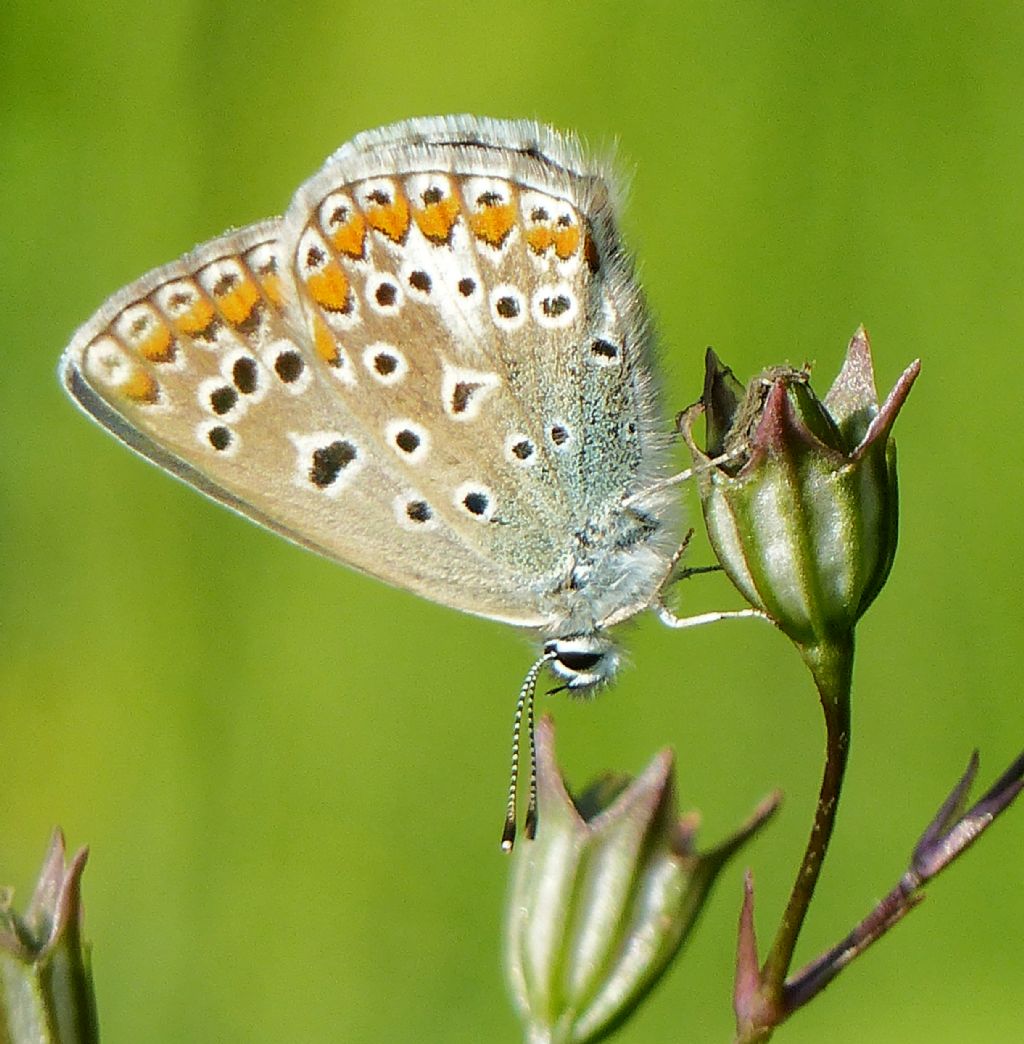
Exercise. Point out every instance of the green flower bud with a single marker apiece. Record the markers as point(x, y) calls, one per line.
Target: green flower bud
point(45, 983)
point(799, 494)
point(603, 898)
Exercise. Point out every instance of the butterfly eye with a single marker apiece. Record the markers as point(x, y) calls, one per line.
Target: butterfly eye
point(583, 661)
point(580, 661)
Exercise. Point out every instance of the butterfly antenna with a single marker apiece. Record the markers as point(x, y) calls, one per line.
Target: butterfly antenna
point(523, 705)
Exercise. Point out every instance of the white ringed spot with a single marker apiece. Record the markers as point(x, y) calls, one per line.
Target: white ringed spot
point(143, 330)
point(520, 450)
point(178, 298)
point(220, 397)
point(508, 308)
point(475, 500)
point(417, 282)
point(343, 226)
point(325, 461)
point(290, 370)
point(411, 441)
point(555, 307)
point(463, 392)
point(220, 277)
point(428, 188)
point(106, 362)
point(384, 295)
point(246, 373)
point(385, 363)
point(218, 439)
point(414, 513)
point(604, 351)
point(264, 260)
point(376, 192)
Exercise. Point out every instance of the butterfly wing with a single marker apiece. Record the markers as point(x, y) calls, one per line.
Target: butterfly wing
point(432, 369)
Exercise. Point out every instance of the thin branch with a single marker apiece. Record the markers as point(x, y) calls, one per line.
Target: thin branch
point(946, 838)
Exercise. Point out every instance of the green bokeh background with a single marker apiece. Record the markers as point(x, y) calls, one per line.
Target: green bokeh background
point(291, 777)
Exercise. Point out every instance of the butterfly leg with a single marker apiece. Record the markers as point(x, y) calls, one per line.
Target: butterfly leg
point(683, 476)
point(674, 573)
point(670, 619)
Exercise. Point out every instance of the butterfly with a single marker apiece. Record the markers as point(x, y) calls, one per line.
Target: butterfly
point(435, 368)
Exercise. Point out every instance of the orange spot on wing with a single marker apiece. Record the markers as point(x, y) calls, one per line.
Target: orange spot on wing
point(237, 304)
point(436, 220)
point(263, 267)
point(197, 318)
point(324, 342)
point(539, 238)
point(567, 241)
point(270, 284)
point(392, 219)
point(564, 238)
point(141, 387)
point(329, 288)
point(493, 224)
point(159, 346)
point(350, 237)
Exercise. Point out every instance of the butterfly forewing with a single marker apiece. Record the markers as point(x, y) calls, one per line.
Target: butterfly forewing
point(484, 293)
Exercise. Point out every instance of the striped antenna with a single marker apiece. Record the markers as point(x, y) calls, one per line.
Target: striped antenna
point(524, 703)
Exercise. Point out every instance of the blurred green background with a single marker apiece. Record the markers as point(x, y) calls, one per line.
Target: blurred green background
point(291, 777)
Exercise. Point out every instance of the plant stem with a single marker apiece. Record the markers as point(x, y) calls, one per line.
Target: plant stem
point(831, 664)
point(951, 832)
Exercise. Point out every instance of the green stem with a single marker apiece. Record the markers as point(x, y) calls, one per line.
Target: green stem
point(831, 664)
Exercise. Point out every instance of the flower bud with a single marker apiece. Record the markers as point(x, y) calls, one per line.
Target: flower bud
point(45, 983)
point(802, 512)
point(603, 898)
